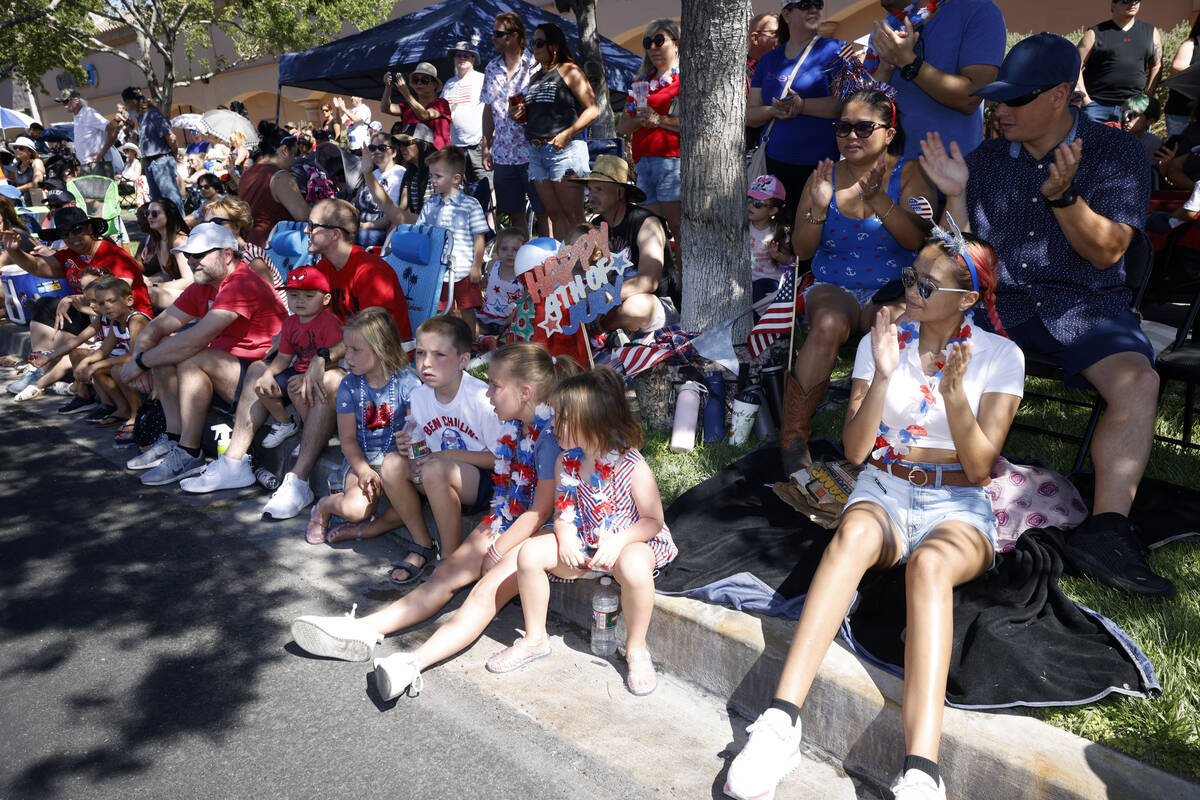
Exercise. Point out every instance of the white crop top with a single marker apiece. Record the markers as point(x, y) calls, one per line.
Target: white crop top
point(996, 365)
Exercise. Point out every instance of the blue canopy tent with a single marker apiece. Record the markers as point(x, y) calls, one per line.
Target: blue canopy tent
point(355, 65)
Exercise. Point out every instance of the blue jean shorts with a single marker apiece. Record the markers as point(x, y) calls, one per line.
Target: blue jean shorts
point(658, 177)
point(512, 187)
point(916, 510)
point(548, 164)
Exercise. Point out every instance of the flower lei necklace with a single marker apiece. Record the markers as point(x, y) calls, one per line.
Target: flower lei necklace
point(515, 475)
point(656, 83)
point(568, 493)
point(892, 445)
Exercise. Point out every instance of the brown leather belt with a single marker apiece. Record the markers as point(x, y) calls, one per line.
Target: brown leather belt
point(950, 474)
point(539, 142)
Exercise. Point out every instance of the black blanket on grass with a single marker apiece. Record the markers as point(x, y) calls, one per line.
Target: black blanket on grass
point(1018, 640)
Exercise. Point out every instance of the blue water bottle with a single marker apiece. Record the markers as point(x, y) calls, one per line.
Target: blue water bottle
point(714, 409)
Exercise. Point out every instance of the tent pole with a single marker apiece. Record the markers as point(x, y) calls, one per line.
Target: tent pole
point(278, 100)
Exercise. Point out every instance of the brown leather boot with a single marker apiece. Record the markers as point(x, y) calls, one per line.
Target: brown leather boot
point(795, 429)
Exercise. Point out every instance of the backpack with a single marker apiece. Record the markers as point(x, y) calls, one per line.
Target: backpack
point(316, 185)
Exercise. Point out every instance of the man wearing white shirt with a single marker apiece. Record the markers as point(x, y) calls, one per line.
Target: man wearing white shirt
point(466, 120)
point(94, 135)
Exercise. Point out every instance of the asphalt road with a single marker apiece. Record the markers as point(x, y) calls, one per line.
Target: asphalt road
point(146, 654)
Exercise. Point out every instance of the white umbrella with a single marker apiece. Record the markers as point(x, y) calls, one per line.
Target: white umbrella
point(191, 122)
point(11, 118)
point(223, 123)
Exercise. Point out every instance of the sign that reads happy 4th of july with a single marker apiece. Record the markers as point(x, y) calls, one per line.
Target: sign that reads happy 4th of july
point(578, 297)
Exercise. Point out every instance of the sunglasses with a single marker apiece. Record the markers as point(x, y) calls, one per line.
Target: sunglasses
point(378, 148)
point(862, 130)
point(754, 202)
point(420, 80)
point(220, 220)
point(806, 5)
point(925, 287)
point(658, 41)
point(310, 227)
point(1026, 99)
point(75, 230)
point(536, 43)
point(153, 214)
point(1128, 2)
point(200, 256)
point(503, 34)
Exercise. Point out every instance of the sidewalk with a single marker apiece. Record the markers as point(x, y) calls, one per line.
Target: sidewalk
point(853, 711)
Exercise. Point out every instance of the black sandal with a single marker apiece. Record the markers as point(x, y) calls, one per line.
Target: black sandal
point(415, 571)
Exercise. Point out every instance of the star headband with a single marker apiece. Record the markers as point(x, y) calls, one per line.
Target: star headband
point(953, 238)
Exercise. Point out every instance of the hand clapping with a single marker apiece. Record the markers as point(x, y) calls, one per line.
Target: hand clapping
point(884, 344)
point(1062, 171)
point(948, 172)
point(956, 367)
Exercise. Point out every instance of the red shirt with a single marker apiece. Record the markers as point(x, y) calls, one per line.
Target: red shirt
point(439, 126)
point(657, 141)
point(113, 259)
point(260, 314)
point(366, 280)
point(304, 339)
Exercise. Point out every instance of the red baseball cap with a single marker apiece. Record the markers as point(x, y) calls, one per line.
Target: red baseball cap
point(308, 279)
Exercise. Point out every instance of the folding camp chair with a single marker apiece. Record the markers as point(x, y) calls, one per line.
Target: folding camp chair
point(100, 197)
point(287, 246)
point(420, 255)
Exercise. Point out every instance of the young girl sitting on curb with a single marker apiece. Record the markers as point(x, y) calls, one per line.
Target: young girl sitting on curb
point(520, 380)
point(610, 521)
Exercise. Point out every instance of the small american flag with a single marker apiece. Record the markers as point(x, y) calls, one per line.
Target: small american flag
point(777, 319)
point(671, 341)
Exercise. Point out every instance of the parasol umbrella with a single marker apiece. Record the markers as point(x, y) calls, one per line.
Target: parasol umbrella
point(11, 118)
point(191, 122)
point(1187, 83)
point(223, 123)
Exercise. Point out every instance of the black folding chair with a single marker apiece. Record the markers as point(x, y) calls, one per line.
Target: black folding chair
point(1182, 363)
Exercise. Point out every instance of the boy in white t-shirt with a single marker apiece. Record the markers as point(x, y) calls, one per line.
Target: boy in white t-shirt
point(458, 429)
point(503, 289)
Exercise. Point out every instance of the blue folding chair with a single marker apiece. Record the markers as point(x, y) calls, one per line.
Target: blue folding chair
point(420, 255)
point(288, 246)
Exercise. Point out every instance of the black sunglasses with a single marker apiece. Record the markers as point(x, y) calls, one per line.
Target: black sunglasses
point(378, 148)
point(806, 5)
point(153, 214)
point(862, 130)
point(536, 43)
point(219, 220)
point(925, 287)
point(1026, 99)
point(200, 256)
point(503, 34)
point(420, 79)
point(75, 230)
point(658, 41)
point(754, 202)
point(309, 226)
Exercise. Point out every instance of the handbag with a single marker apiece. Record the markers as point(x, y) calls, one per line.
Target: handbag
point(758, 160)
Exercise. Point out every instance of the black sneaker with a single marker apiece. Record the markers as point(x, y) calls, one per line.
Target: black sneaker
point(76, 404)
point(100, 412)
point(1114, 558)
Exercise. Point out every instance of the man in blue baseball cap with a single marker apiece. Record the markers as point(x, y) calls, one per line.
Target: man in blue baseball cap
point(1061, 198)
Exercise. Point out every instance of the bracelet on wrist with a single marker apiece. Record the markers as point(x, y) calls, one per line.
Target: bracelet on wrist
point(811, 220)
point(884, 215)
point(137, 359)
point(493, 554)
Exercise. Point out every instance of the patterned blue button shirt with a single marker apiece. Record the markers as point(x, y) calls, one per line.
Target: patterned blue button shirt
point(1041, 275)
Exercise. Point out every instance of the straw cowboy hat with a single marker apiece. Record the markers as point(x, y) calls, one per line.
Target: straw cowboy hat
point(613, 169)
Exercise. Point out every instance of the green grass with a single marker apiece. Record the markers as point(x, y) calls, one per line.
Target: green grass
point(1165, 732)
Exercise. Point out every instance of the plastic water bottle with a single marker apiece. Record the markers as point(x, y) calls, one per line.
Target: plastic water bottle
point(604, 618)
point(687, 412)
point(266, 479)
point(416, 440)
point(335, 481)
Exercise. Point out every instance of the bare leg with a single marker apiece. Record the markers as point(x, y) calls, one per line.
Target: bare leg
point(350, 504)
point(570, 203)
point(318, 427)
point(249, 416)
point(1121, 447)
point(554, 214)
point(405, 499)
point(448, 485)
point(833, 315)
point(166, 385)
point(634, 570)
point(199, 376)
point(537, 558)
point(108, 385)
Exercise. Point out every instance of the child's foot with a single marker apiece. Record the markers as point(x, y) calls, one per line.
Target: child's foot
point(642, 678)
point(409, 571)
point(346, 532)
point(318, 527)
point(336, 637)
point(517, 656)
point(396, 674)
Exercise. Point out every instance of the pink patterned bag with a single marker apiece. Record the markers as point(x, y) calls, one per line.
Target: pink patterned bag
point(1026, 497)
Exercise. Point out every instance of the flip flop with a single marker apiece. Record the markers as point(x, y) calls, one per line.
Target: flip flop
point(124, 435)
point(515, 657)
point(642, 679)
point(317, 528)
point(346, 532)
point(108, 422)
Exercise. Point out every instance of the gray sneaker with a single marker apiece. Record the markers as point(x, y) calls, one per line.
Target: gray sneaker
point(152, 456)
point(30, 377)
point(280, 432)
point(176, 464)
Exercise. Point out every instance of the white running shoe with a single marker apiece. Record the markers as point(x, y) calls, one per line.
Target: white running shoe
point(396, 675)
point(918, 785)
point(279, 433)
point(152, 456)
point(771, 752)
point(221, 473)
point(175, 464)
point(292, 497)
point(62, 389)
point(341, 637)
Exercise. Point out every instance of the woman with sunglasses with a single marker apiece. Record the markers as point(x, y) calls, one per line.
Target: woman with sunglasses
point(559, 103)
point(210, 188)
point(389, 177)
point(167, 274)
point(420, 101)
point(797, 139)
point(931, 403)
point(234, 215)
point(330, 123)
point(27, 170)
point(854, 223)
point(654, 124)
point(268, 187)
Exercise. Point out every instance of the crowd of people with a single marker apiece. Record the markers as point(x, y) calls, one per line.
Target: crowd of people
point(957, 208)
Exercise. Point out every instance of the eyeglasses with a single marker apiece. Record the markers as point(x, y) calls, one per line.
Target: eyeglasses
point(220, 220)
point(658, 41)
point(209, 186)
point(1026, 99)
point(420, 80)
point(768, 34)
point(806, 5)
point(463, 54)
point(503, 34)
point(756, 203)
point(862, 130)
point(378, 148)
point(310, 227)
point(536, 43)
point(1127, 2)
point(925, 287)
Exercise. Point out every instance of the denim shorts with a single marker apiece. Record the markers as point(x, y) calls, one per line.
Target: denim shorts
point(548, 164)
point(917, 510)
point(658, 177)
point(512, 187)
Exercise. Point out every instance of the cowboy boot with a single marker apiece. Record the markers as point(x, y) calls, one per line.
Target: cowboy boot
point(795, 429)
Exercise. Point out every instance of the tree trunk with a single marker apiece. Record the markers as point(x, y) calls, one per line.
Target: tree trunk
point(592, 62)
point(716, 269)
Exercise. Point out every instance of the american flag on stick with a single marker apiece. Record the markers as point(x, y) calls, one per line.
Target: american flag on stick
point(671, 341)
point(778, 318)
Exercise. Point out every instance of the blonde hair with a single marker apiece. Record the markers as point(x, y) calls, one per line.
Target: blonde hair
point(234, 209)
point(593, 409)
point(237, 139)
point(340, 213)
point(531, 363)
point(377, 328)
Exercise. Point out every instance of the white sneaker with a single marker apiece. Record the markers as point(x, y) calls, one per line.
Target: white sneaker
point(771, 752)
point(30, 392)
point(397, 674)
point(152, 456)
point(175, 464)
point(62, 388)
point(918, 785)
point(337, 637)
point(292, 497)
point(279, 433)
point(221, 473)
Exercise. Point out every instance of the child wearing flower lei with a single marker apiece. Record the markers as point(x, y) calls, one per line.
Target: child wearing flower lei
point(515, 474)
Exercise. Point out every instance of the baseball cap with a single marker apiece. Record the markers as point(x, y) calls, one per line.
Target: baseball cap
point(307, 279)
point(132, 94)
point(57, 198)
point(1038, 61)
point(534, 252)
point(767, 187)
point(66, 95)
point(207, 236)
